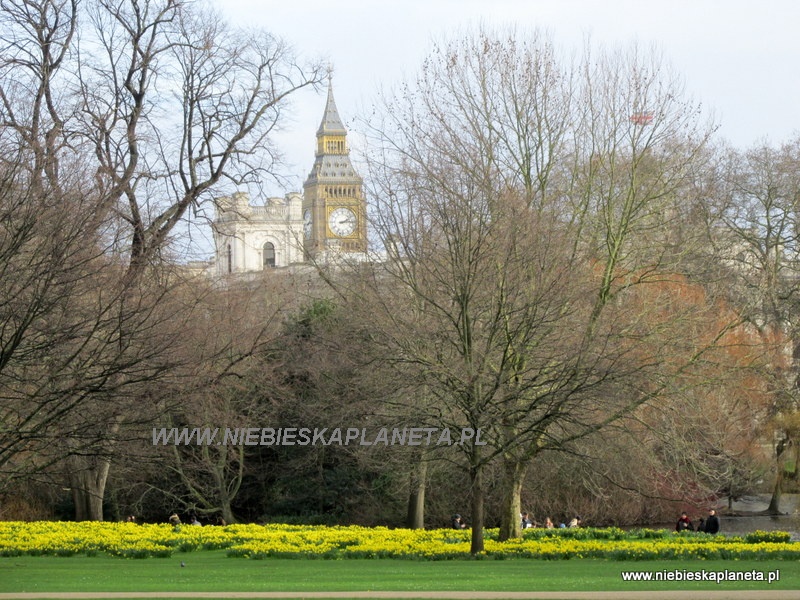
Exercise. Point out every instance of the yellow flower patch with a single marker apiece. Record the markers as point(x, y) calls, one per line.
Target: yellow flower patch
point(305, 541)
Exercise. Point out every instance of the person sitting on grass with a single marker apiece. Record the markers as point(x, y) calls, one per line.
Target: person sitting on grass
point(701, 526)
point(527, 522)
point(684, 523)
point(175, 521)
point(712, 522)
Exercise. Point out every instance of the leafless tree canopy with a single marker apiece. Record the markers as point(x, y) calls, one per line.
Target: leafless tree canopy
point(117, 121)
point(526, 199)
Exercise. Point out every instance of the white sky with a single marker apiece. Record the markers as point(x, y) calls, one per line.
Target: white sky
point(738, 57)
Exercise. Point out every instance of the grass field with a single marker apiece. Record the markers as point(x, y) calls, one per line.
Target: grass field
point(213, 571)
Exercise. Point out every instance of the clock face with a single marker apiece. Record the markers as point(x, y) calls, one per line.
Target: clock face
point(342, 222)
point(307, 224)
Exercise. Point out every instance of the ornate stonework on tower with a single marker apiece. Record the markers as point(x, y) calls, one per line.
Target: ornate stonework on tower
point(334, 206)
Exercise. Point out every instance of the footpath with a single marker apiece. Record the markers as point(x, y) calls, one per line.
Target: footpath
point(617, 595)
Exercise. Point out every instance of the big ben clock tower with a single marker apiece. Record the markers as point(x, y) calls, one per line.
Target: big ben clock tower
point(334, 206)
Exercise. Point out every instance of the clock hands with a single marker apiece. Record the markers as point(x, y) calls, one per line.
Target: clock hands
point(343, 222)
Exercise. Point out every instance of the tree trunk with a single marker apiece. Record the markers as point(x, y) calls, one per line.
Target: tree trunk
point(227, 513)
point(415, 518)
point(88, 483)
point(513, 476)
point(476, 476)
point(225, 500)
point(777, 491)
point(227, 474)
point(79, 498)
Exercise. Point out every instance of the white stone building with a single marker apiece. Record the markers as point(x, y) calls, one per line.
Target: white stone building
point(253, 238)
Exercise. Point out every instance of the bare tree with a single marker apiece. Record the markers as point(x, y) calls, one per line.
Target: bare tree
point(236, 382)
point(175, 102)
point(525, 200)
point(46, 256)
point(75, 350)
point(38, 42)
point(143, 108)
point(754, 232)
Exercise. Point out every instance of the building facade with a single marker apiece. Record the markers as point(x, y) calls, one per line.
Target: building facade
point(253, 238)
point(325, 223)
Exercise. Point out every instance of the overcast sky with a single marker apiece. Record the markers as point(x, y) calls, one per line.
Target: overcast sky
point(738, 57)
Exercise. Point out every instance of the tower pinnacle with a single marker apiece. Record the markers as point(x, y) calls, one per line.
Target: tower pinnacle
point(331, 121)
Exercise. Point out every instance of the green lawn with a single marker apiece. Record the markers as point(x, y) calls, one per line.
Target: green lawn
point(211, 571)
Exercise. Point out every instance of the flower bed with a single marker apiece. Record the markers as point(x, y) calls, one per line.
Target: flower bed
point(305, 541)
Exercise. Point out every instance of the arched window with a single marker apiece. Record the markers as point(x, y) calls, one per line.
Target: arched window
point(269, 255)
point(230, 259)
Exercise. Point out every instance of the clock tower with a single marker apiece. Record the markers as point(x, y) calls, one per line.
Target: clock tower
point(334, 206)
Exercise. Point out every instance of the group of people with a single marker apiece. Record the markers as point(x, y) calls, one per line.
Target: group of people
point(175, 521)
point(707, 525)
point(458, 522)
point(528, 522)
